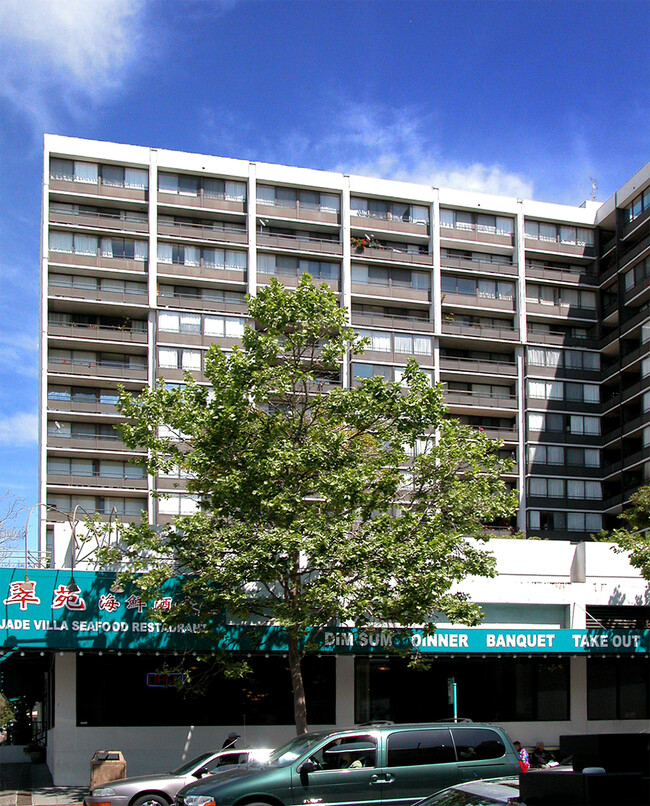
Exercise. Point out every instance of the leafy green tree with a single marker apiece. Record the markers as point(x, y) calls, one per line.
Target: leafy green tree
point(314, 510)
point(635, 537)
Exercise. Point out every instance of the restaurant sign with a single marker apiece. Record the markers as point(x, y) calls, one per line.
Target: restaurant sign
point(44, 613)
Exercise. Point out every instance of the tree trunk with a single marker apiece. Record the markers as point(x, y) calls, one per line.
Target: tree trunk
point(299, 702)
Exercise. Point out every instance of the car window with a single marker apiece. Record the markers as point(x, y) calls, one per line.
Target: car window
point(473, 744)
point(190, 765)
point(346, 752)
point(414, 747)
point(226, 760)
point(295, 748)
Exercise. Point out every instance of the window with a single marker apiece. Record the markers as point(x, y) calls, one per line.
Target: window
point(592, 490)
point(481, 222)
point(308, 199)
point(618, 688)
point(177, 505)
point(546, 454)
point(290, 266)
point(545, 390)
point(558, 233)
point(345, 753)
point(476, 744)
point(546, 488)
point(559, 295)
point(637, 206)
point(584, 522)
point(390, 210)
point(411, 748)
point(485, 289)
point(379, 342)
point(187, 185)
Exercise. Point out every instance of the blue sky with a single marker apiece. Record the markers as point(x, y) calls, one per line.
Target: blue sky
point(527, 98)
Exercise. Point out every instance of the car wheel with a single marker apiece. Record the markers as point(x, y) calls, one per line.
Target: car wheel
point(151, 800)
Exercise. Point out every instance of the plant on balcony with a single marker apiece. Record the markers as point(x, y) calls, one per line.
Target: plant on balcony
point(360, 244)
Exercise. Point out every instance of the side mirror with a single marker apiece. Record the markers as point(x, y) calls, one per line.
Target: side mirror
point(305, 768)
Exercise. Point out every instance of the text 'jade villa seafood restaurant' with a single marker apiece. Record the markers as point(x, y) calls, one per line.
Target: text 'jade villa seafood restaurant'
point(533, 315)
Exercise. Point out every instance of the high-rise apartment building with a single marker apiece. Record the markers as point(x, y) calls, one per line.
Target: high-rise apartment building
point(532, 315)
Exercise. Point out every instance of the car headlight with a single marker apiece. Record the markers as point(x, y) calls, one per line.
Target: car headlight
point(103, 792)
point(198, 800)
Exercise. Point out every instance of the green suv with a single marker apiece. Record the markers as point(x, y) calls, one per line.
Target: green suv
point(394, 765)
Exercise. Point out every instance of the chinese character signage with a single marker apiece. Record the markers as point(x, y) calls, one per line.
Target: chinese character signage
point(44, 613)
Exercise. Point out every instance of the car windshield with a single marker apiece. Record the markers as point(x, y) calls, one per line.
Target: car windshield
point(295, 748)
point(190, 765)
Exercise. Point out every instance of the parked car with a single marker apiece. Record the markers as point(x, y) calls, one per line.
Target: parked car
point(477, 793)
point(403, 763)
point(160, 790)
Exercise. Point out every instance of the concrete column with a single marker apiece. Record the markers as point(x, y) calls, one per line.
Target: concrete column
point(520, 257)
point(346, 270)
point(578, 695)
point(251, 207)
point(62, 739)
point(436, 291)
point(344, 690)
point(152, 319)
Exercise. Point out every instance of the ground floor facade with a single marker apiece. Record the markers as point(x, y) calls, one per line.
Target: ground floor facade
point(564, 648)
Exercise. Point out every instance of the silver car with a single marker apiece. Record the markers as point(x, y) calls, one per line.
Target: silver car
point(160, 790)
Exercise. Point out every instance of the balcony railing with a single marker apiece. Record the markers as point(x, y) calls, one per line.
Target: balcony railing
point(105, 220)
point(202, 232)
point(470, 329)
point(479, 265)
point(297, 242)
point(405, 322)
point(74, 366)
point(97, 332)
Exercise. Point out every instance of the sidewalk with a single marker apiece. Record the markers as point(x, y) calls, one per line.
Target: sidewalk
point(31, 785)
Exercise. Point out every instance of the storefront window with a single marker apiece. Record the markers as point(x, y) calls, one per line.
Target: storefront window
point(262, 698)
point(488, 689)
point(618, 688)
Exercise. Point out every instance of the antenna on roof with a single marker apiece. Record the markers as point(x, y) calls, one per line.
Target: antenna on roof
point(594, 187)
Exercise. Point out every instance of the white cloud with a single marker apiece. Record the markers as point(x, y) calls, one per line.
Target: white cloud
point(398, 144)
point(19, 429)
point(18, 355)
point(66, 53)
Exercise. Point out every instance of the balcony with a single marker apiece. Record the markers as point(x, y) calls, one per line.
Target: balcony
point(188, 301)
point(102, 221)
point(97, 261)
point(638, 292)
point(197, 340)
point(97, 369)
point(392, 289)
point(83, 332)
point(568, 373)
point(204, 271)
point(557, 337)
point(83, 407)
point(99, 189)
point(501, 434)
point(485, 267)
point(377, 252)
point(300, 212)
point(396, 322)
point(635, 252)
point(175, 375)
point(90, 442)
point(393, 357)
point(472, 400)
point(478, 366)
point(561, 276)
point(98, 295)
point(290, 279)
point(95, 482)
point(561, 311)
point(299, 243)
point(559, 248)
point(539, 469)
point(203, 232)
point(565, 438)
point(476, 233)
point(387, 223)
point(477, 300)
point(200, 200)
point(63, 515)
point(628, 462)
point(479, 332)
